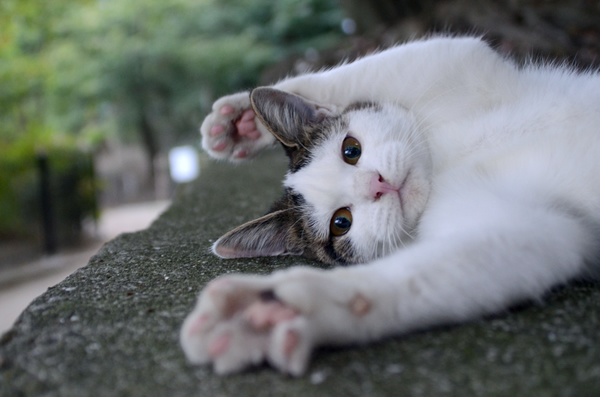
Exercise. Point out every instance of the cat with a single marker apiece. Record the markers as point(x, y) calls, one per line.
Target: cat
point(454, 181)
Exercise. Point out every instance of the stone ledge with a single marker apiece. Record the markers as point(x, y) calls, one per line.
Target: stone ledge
point(111, 328)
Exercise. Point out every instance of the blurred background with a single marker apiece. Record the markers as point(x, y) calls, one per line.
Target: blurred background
point(101, 100)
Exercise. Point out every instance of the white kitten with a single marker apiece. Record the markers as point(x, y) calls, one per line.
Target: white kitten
point(459, 182)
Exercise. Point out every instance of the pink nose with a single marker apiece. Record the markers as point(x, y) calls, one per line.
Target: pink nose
point(379, 187)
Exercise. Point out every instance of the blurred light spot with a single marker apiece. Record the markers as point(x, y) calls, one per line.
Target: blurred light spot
point(183, 162)
point(348, 26)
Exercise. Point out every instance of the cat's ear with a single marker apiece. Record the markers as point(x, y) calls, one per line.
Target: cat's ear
point(270, 235)
point(287, 115)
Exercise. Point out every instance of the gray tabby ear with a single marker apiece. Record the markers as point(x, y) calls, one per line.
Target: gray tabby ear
point(286, 115)
point(269, 235)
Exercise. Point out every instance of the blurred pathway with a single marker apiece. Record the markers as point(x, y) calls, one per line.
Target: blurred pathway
point(19, 286)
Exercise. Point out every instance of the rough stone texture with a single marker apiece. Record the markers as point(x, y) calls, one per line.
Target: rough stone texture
point(111, 328)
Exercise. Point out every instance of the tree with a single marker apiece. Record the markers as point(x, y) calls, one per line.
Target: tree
point(26, 31)
point(152, 69)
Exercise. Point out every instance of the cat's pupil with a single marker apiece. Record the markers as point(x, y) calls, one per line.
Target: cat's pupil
point(342, 223)
point(352, 152)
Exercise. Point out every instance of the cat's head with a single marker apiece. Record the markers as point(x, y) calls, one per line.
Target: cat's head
point(357, 184)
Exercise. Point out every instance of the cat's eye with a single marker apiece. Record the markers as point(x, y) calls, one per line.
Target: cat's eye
point(351, 150)
point(341, 222)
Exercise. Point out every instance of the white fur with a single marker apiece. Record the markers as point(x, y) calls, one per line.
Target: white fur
point(503, 204)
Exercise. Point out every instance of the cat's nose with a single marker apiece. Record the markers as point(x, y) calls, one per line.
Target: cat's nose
point(378, 187)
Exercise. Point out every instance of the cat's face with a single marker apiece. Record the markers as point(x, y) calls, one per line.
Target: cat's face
point(357, 185)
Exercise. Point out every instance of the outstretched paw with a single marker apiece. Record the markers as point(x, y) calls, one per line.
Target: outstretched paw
point(232, 131)
point(240, 321)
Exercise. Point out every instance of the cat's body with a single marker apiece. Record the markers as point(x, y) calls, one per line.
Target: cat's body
point(475, 186)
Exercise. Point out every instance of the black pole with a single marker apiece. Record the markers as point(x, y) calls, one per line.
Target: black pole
point(92, 175)
point(46, 205)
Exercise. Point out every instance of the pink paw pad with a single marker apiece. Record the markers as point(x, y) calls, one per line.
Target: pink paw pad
point(291, 341)
point(264, 315)
point(227, 109)
point(359, 305)
point(248, 115)
point(219, 345)
point(246, 126)
point(241, 154)
point(216, 130)
point(198, 324)
point(254, 135)
point(219, 147)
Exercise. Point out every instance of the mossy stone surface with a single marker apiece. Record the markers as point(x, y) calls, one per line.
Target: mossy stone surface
point(111, 328)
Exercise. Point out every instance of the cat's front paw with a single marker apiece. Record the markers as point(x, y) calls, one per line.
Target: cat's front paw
point(232, 131)
point(240, 321)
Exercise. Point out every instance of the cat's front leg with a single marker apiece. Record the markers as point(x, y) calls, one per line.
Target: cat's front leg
point(241, 321)
point(231, 130)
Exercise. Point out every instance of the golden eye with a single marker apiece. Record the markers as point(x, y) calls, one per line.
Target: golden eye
point(351, 150)
point(341, 222)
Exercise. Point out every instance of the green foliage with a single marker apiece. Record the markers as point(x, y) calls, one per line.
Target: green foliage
point(73, 72)
point(135, 64)
point(26, 31)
